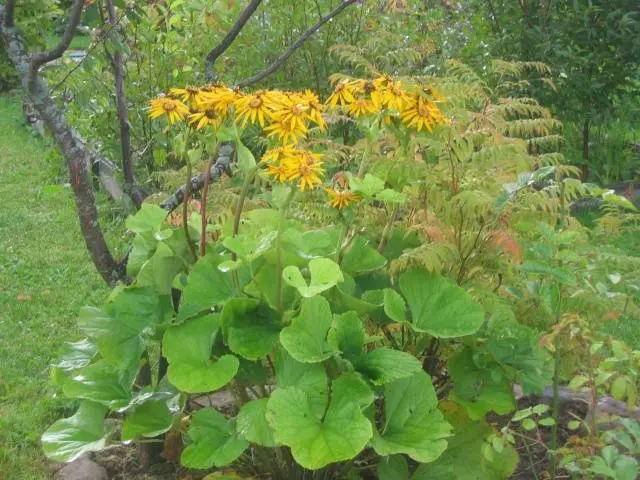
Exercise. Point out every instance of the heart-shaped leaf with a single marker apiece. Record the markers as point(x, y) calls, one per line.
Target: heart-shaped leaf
point(384, 365)
point(311, 378)
point(438, 307)
point(316, 440)
point(188, 350)
point(347, 335)
point(413, 425)
point(325, 274)
point(148, 420)
point(361, 258)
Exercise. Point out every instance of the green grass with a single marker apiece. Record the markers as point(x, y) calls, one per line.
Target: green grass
point(45, 277)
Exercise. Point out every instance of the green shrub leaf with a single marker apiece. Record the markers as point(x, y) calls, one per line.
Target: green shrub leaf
point(347, 335)
point(438, 307)
point(102, 383)
point(394, 306)
point(188, 351)
point(361, 258)
point(215, 442)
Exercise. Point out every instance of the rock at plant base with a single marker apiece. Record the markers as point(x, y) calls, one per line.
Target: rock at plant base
point(82, 469)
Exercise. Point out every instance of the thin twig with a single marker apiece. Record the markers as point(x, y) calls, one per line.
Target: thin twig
point(40, 58)
point(275, 66)
point(226, 42)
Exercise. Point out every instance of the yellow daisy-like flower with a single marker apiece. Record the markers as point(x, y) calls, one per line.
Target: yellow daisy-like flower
point(218, 97)
point(307, 168)
point(189, 94)
point(421, 113)
point(293, 111)
point(341, 198)
point(315, 108)
point(278, 171)
point(278, 154)
point(362, 107)
point(394, 96)
point(203, 118)
point(252, 108)
point(287, 131)
point(173, 109)
point(342, 94)
point(363, 87)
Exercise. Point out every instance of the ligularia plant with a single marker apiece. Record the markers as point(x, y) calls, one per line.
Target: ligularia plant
point(293, 307)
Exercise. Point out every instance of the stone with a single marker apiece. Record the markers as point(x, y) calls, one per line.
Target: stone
point(82, 469)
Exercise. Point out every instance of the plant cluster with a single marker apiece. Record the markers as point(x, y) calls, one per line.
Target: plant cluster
point(368, 325)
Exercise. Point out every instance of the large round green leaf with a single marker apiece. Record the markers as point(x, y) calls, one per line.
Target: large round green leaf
point(438, 307)
point(188, 350)
point(148, 420)
point(101, 383)
point(324, 273)
point(384, 365)
point(412, 423)
point(214, 441)
point(316, 440)
point(69, 438)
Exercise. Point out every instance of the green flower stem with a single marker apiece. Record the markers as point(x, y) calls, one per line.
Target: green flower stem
point(281, 224)
point(238, 214)
point(365, 158)
point(384, 239)
point(185, 204)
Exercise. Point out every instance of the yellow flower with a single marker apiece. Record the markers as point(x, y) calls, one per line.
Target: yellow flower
point(218, 97)
point(252, 108)
point(307, 167)
point(342, 94)
point(340, 199)
point(189, 94)
point(393, 96)
point(202, 118)
point(362, 107)
point(291, 110)
point(421, 113)
point(287, 131)
point(315, 108)
point(174, 109)
point(278, 154)
point(278, 172)
point(362, 87)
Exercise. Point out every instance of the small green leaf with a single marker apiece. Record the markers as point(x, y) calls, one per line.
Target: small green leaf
point(578, 381)
point(391, 197)
point(148, 420)
point(394, 306)
point(251, 423)
point(546, 422)
point(522, 414)
point(69, 438)
point(528, 424)
point(325, 274)
point(188, 350)
point(538, 268)
point(438, 307)
point(306, 338)
point(540, 408)
point(574, 424)
point(215, 443)
point(619, 387)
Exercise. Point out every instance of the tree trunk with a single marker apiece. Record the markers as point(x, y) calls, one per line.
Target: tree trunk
point(75, 151)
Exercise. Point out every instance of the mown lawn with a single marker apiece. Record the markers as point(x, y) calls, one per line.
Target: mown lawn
point(45, 277)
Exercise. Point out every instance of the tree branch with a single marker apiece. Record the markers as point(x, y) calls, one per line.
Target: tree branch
point(275, 66)
point(226, 42)
point(221, 165)
point(40, 58)
point(123, 118)
point(9, 10)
